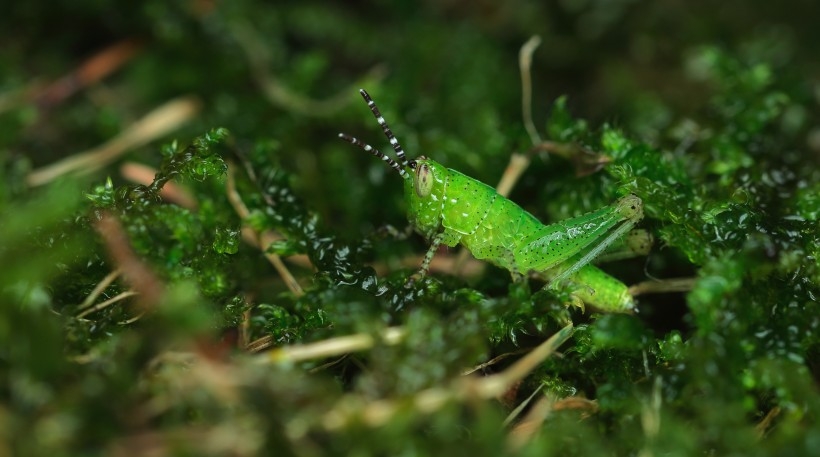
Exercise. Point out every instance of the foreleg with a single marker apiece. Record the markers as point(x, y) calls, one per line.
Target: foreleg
point(428, 257)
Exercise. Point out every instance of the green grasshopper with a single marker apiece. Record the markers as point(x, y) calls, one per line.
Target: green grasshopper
point(448, 207)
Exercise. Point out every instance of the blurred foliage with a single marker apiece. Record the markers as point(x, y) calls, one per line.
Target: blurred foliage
point(709, 114)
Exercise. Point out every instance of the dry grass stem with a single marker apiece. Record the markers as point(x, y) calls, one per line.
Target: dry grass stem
point(156, 124)
point(260, 240)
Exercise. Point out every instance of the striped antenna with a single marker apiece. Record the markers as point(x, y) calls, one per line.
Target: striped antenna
point(387, 132)
point(375, 152)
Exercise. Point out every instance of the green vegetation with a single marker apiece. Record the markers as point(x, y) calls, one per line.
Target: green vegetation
point(169, 311)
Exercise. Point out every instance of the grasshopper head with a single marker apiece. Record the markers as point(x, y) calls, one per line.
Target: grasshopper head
point(424, 194)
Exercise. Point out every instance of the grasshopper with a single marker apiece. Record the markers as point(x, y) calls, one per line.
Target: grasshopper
point(448, 207)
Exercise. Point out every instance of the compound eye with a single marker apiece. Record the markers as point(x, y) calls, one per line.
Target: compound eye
point(424, 180)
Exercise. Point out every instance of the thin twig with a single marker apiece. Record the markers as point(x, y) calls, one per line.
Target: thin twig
point(261, 240)
point(525, 64)
point(134, 270)
point(521, 406)
point(157, 123)
point(245, 329)
point(494, 360)
point(99, 288)
point(662, 286)
point(651, 418)
point(524, 431)
point(376, 413)
point(119, 297)
point(172, 192)
point(515, 168)
point(333, 346)
point(584, 160)
point(131, 320)
point(496, 384)
point(256, 52)
point(328, 365)
point(260, 344)
point(92, 70)
point(766, 423)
